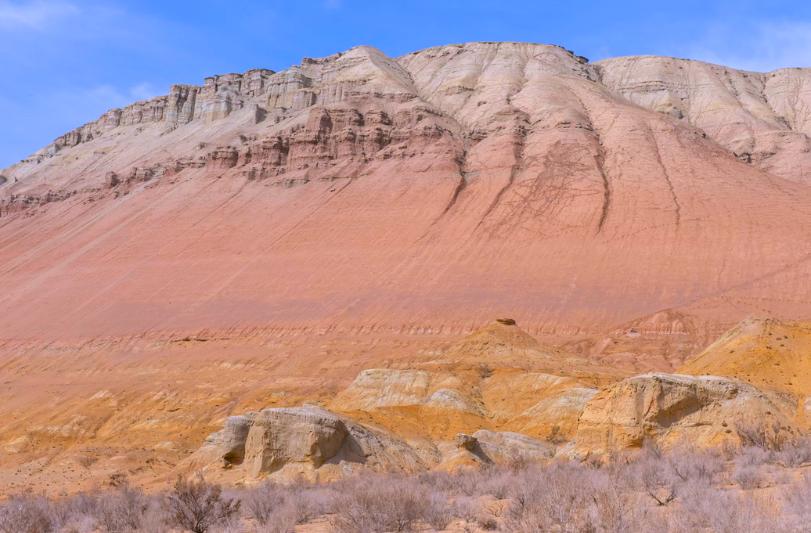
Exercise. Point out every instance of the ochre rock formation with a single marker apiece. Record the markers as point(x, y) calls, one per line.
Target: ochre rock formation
point(770, 354)
point(678, 409)
point(310, 442)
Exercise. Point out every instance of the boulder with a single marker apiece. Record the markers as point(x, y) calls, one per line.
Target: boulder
point(673, 408)
point(506, 447)
point(280, 436)
point(231, 440)
point(307, 441)
point(500, 447)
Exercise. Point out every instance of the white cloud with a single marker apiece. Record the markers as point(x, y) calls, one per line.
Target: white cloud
point(36, 15)
point(104, 97)
point(759, 47)
point(143, 91)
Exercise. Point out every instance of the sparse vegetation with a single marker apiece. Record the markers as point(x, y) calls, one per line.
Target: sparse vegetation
point(750, 489)
point(197, 506)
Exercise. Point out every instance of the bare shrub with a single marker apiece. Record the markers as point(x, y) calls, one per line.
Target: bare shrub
point(761, 435)
point(312, 501)
point(560, 497)
point(471, 510)
point(654, 490)
point(796, 453)
point(392, 503)
point(284, 521)
point(464, 491)
point(25, 514)
point(275, 508)
point(703, 465)
point(264, 501)
point(197, 505)
point(122, 511)
point(79, 523)
point(706, 508)
point(496, 482)
point(796, 504)
point(753, 456)
point(747, 476)
point(656, 477)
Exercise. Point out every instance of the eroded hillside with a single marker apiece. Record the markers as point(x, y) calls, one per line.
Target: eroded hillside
point(341, 234)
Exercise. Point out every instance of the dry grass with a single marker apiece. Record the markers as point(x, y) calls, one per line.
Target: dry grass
point(754, 489)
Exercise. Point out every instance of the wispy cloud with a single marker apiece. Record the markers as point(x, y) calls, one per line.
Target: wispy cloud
point(93, 101)
point(34, 15)
point(761, 46)
point(72, 60)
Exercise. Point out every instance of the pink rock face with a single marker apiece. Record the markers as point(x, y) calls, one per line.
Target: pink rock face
point(442, 188)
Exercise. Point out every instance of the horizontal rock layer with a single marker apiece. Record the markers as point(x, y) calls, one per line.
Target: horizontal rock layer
point(437, 189)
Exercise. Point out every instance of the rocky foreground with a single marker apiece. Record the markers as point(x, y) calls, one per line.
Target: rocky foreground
point(495, 397)
point(570, 420)
point(752, 489)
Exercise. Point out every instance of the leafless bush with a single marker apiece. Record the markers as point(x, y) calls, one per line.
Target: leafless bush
point(392, 503)
point(795, 453)
point(276, 508)
point(653, 490)
point(493, 481)
point(24, 514)
point(265, 501)
point(196, 505)
point(706, 508)
point(761, 435)
point(122, 511)
point(656, 477)
point(747, 476)
point(702, 466)
point(560, 497)
point(796, 504)
point(753, 456)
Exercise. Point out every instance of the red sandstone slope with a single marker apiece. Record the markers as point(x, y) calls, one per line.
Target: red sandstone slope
point(441, 188)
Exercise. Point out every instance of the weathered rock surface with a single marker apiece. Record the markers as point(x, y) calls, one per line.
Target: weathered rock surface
point(279, 437)
point(380, 388)
point(555, 417)
point(762, 118)
point(674, 408)
point(305, 441)
point(418, 193)
point(497, 377)
point(503, 447)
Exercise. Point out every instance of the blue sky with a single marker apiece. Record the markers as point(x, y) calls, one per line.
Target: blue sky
point(65, 62)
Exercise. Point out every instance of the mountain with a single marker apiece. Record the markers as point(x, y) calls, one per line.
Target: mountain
point(434, 190)
point(327, 234)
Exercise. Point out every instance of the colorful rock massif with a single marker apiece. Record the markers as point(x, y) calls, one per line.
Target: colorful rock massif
point(328, 234)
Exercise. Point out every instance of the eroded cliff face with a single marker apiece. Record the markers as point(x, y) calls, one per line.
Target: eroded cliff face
point(433, 190)
point(762, 118)
point(320, 234)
